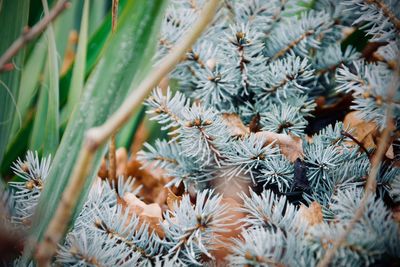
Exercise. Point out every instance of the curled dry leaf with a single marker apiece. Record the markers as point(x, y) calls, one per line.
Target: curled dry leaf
point(147, 213)
point(103, 171)
point(396, 214)
point(151, 179)
point(151, 210)
point(290, 146)
point(365, 132)
point(312, 214)
point(235, 124)
point(171, 199)
point(234, 222)
point(121, 157)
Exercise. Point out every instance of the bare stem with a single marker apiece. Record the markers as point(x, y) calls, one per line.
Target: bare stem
point(386, 11)
point(30, 33)
point(99, 135)
point(114, 15)
point(112, 160)
point(64, 211)
point(370, 186)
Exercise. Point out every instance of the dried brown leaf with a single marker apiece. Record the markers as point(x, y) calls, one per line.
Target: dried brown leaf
point(171, 199)
point(152, 180)
point(396, 214)
point(312, 214)
point(121, 156)
point(233, 225)
point(103, 171)
point(147, 213)
point(363, 131)
point(290, 146)
point(235, 124)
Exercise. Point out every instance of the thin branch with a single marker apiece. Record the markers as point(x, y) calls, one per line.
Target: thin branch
point(112, 173)
point(361, 145)
point(386, 11)
point(29, 34)
point(290, 46)
point(99, 135)
point(114, 16)
point(112, 170)
point(64, 211)
point(370, 186)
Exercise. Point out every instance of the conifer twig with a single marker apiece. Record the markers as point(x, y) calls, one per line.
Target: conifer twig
point(96, 136)
point(290, 46)
point(386, 11)
point(29, 34)
point(370, 186)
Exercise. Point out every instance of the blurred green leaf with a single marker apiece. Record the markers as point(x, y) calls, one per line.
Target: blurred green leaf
point(97, 13)
point(13, 18)
point(51, 132)
point(37, 139)
point(98, 40)
point(45, 135)
point(78, 73)
point(67, 22)
point(124, 62)
point(94, 51)
point(95, 45)
point(18, 143)
point(29, 82)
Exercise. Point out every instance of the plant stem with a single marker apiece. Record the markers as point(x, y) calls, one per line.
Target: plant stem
point(370, 186)
point(30, 33)
point(112, 173)
point(114, 14)
point(99, 135)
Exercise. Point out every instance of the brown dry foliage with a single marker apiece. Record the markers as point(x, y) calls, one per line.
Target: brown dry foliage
point(311, 214)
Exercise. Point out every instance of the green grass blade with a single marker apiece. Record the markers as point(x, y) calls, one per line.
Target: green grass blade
point(125, 61)
point(29, 82)
point(94, 49)
point(52, 135)
point(37, 139)
point(63, 26)
point(13, 18)
point(45, 134)
point(18, 143)
point(97, 13)
point(78, 73)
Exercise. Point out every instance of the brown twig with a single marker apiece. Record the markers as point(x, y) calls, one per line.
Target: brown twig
point(386, 11)
point(99, 135)
point(30, 33)
point(112, 173)
point(290, 46)
point(370, 186)
point(361, 145)
point(64, 211)
point(114, 15)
